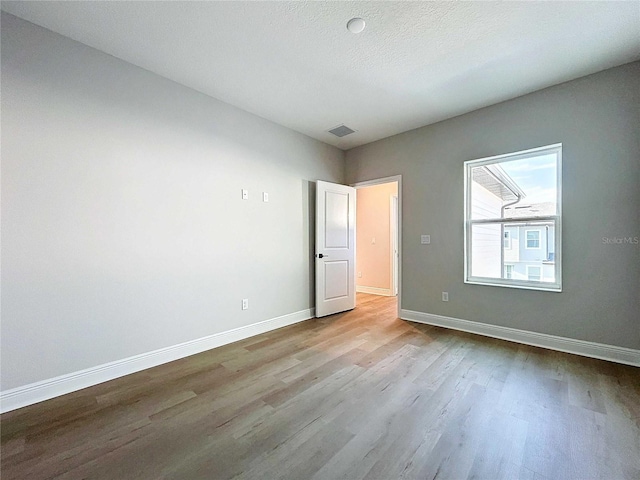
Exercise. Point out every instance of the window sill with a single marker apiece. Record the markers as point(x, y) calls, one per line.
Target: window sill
point(493, 282)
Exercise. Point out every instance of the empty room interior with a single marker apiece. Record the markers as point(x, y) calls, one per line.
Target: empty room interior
point(320, 240)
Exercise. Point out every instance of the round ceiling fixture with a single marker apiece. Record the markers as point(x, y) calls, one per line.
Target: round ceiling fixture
point(355, 25)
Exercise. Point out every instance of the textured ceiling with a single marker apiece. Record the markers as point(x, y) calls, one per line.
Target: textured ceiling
point(296, 64)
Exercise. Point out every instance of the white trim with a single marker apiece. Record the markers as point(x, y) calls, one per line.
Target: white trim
point(54, 387)
point(612, 353)
point(393, 242)
point(373, 290)
point(514, 283)
point(557, 219)
point(508, 157)
point(380, 181)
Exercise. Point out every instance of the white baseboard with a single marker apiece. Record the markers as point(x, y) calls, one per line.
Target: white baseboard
point(627, 356)
point(54, 387)
point(374, 290)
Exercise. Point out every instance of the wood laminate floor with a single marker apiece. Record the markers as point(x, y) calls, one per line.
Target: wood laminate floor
point(359, 395)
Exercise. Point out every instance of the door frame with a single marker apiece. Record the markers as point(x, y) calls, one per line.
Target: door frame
point(395, 243)
point(380, 181)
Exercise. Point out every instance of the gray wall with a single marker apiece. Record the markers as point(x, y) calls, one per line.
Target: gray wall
point(597, 119)
point(123, 228)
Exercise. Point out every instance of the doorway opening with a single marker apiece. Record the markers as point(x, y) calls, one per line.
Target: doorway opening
point(378, 238)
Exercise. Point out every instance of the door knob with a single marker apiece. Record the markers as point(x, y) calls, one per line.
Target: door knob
point(320, 255)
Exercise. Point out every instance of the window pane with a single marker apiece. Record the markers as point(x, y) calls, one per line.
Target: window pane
point(508, 271)
point(486, 248)
point(512, 216)
point(515, 188)
point(491, 257)
point(533, 238)
point(507, 239)
point(536, 177)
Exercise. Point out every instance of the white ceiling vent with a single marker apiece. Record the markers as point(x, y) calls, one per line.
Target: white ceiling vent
point(341, 131)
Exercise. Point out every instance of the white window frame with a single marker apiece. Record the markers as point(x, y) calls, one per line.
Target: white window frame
point(526, 239)
point(555, 286)
point(506, 238)
point(539, 267)
point(507, 266)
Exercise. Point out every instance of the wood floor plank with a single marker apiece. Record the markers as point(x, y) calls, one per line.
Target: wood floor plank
point(358, 395)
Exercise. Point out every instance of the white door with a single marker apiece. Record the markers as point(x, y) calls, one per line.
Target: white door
point(335, 248)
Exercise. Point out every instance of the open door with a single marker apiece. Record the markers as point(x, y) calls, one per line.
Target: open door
point(335, 248)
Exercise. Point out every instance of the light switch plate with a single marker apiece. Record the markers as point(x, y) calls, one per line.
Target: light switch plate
point(425, 239)
point(245, 194)
point(265, 197)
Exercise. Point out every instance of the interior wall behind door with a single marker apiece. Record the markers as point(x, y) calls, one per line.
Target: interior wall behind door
point(373, 238)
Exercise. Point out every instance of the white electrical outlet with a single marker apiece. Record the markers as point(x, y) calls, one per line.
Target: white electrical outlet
point(425, 239)
point(245, 194)
point(445, 296)
point(359, 274)
point(245, 303)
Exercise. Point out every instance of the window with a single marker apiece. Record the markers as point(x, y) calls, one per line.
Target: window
point(508, 271)
point(507, 240)
point(533, 238)
point(513, 219)
point(534, 273)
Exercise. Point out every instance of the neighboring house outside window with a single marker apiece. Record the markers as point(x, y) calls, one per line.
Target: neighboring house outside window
point(512, 211)
point(534, 273)
point(508, 271)
point(533, 238)
point(507, 239)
